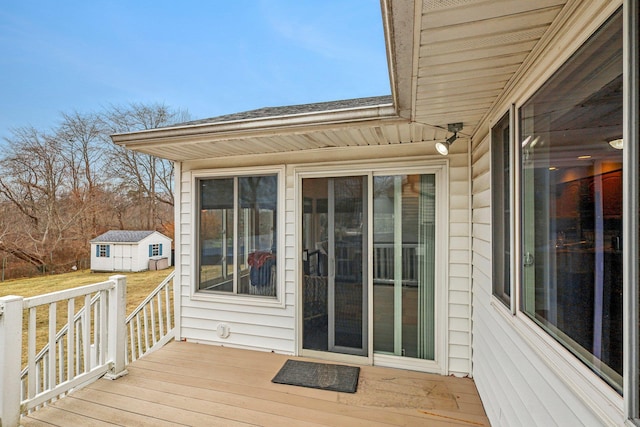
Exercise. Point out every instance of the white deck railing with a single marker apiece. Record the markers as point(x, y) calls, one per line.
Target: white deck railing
point(82, 346)
point(150, 325)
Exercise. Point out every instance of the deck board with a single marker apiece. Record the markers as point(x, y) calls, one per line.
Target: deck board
point(192, 384)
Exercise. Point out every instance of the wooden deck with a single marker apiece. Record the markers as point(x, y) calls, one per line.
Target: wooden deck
point(201, 385)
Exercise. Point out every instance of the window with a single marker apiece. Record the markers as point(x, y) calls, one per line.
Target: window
point(632, 211)
point(404, 263)
point(571, 204)
point(102, 251)
point(237, 235)
point(155, 249)
point(501, 209)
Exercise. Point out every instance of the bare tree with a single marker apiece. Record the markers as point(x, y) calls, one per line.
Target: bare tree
point(32, 178)
point(61, 188)
point(148, 180)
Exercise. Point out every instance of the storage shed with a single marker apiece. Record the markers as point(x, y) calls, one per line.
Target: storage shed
point(127, 250)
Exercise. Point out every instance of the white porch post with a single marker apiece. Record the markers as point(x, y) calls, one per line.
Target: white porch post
point(10, 360)
point(117, 328)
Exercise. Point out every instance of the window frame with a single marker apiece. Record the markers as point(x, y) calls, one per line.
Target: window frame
point(631, 210)
point(608, 404)
point(499, 242)
point(102, 250)
point(155, 249)
point(233, 297)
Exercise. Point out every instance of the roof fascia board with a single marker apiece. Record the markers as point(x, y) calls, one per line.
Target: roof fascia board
point(257, 127)
point(401, 24)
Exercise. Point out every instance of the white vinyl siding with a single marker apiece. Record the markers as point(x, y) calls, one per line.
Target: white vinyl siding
point(252, 325)
point(459, 294)
point(516, 384)
point(523, 377)
point(273, 328)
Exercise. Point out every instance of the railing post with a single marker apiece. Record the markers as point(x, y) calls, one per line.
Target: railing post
point(10, 360)
point(117, 328)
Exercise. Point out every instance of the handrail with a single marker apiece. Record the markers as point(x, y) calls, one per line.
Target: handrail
point(59, 335)
point(87, 346)
point(66, 294)
point(150, 325)
point(91, 343)
point(150, 296)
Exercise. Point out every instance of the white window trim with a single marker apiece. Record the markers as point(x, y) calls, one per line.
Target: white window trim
point(370, 169)
point(513, 223)
point(103, 248)
point(155, 249)
point(250, 300)
point(631, 206)
point(596, 394)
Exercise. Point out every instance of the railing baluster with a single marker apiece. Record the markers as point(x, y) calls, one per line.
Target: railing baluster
point(96, 332)
point(153, 321)
point(160, 319)
point(31, 352)
point(86, 334)
point(102, 359)
point(61, 361)
point(133, 345)
point(70, 338)
point(167, 306)
point(52, 346)
point(139, 335)
point(77, 345)
point(146, 328)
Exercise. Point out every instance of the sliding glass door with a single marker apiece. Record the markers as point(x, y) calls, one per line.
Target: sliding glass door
point(404, 265)
point(334, 259)
point(345, 264)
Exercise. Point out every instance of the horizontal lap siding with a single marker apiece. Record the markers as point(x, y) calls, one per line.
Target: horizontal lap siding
point(458, 287)
point(269, 328)
point(251, 327)
point(516, 386)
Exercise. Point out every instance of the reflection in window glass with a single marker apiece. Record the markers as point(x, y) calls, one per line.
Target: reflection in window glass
point(237, 233)
point(404, 265)
point(572, 204)
point(501, 210)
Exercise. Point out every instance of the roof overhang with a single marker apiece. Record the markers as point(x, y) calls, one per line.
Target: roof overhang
point(449, 62)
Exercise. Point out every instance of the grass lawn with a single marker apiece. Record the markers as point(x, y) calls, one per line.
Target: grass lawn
point(139, 286)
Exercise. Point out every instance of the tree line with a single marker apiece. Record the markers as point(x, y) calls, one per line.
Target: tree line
point(60, 188)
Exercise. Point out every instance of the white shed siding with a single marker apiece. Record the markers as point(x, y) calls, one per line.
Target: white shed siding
point(101, 263)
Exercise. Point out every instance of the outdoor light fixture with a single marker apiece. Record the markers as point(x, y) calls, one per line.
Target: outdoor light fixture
point(618, 144)
point(443, 146)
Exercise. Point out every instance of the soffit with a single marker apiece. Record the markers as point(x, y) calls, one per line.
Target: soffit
point(283, 141)
point(449, 63)
point(468, 52)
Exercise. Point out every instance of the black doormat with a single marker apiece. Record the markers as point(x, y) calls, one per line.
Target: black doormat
point(324, 376)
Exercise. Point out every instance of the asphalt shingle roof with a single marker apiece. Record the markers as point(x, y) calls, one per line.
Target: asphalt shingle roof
point(292, 110)
point(122, 236)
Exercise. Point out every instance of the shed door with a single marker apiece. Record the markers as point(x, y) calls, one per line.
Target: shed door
point(122, 257)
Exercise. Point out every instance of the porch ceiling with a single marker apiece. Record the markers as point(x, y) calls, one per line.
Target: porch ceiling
point(449, 62)
point(469, 51)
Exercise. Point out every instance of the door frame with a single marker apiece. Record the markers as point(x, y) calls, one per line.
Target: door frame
point(438, 167)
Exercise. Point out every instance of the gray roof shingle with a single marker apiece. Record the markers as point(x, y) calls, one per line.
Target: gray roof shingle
point(292, 110)
point(122, 236)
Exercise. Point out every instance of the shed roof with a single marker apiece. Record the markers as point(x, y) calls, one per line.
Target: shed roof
point(123, 236)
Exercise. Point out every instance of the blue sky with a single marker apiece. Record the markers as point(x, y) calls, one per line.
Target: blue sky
point(208, 57)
